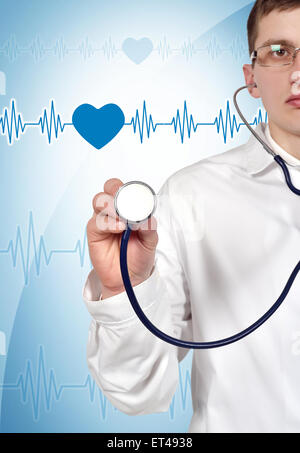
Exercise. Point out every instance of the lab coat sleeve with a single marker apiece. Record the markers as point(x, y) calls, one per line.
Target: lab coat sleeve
point(136, 371)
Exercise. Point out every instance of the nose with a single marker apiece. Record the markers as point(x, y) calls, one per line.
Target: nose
point(297, 58)
point(295, 79)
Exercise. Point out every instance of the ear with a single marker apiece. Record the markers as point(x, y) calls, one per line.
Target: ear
point(249, 78)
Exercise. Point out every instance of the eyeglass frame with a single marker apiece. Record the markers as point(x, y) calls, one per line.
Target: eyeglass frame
point(254, 57)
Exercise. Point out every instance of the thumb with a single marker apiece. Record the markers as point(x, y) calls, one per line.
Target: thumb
point(147, 232)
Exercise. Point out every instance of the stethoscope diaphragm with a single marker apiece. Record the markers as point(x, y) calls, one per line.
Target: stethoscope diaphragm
point(135, 202)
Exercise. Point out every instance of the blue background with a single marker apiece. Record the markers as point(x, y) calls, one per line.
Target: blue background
point(55, 56)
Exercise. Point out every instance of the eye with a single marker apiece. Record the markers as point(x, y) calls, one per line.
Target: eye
point(281, 53)
point(281, 50)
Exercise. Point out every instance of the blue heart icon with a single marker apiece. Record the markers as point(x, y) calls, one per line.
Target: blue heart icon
point(137, 50)
point(98, 126)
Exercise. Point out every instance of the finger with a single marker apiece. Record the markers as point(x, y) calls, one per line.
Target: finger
point(108, 224)
point(100, 226)
point(96, 203)
point(104, 203)
point(112, 186)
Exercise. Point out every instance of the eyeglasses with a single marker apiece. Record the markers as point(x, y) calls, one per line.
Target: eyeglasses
point(275, 55)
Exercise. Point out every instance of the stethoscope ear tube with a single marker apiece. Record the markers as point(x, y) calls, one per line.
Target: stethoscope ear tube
point(189, 344)
point(277, 158)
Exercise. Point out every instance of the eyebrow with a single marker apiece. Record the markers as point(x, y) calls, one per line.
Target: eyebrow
point(285, 42)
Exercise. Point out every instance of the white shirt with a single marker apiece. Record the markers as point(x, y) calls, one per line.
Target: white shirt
point(229, 234)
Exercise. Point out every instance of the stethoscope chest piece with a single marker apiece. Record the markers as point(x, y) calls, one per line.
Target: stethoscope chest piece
point(135, 202)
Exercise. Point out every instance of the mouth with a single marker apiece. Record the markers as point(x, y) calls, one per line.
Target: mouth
point(294, 101)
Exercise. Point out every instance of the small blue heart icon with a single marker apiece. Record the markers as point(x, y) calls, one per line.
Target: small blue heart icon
point(137, 50)
point(98, 126)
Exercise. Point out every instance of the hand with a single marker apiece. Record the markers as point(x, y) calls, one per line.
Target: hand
point(104, 232)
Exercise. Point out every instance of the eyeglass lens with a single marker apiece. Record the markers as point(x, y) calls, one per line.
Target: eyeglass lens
point(275, 55)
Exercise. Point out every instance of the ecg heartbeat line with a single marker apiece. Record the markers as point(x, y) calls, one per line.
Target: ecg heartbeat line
point(12, 50)
point(186, 122)
point(86, 49)
point(12, 124)
point(39, 250)
point(32, 386)
point(237, 48)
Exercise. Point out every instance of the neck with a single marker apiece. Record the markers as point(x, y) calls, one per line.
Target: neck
point(288, 141)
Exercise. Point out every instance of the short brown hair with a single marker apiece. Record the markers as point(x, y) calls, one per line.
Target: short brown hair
point(263, 8)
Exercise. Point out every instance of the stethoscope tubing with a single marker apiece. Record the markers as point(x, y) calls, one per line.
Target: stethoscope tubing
point(226, 341)
point(190, 344)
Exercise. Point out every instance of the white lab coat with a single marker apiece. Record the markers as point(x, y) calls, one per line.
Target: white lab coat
point(229, 236)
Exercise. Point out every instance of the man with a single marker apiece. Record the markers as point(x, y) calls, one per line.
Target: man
point(222, 245)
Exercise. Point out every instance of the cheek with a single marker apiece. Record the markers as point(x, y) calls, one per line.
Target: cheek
point(274, 89)
point(270, 94)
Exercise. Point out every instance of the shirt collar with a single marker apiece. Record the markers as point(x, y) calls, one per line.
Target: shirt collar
point(258, 159)
point(291, 160)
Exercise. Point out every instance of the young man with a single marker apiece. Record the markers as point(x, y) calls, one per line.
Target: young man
point(212, 271)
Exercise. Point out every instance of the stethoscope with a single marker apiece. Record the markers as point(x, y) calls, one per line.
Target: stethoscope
point(135, 202)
